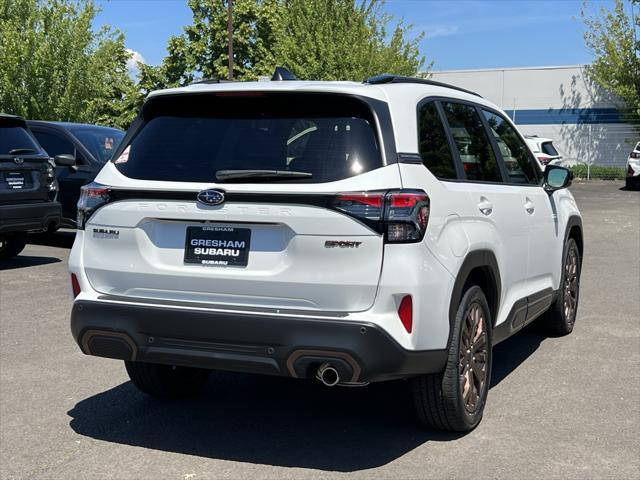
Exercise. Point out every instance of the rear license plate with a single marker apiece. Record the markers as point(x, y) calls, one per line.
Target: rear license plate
point(223, 246)
point(14, 180)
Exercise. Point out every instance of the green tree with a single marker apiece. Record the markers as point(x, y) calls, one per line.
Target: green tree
point(345, 40)
point(316, 39)
point(202, 50)
point(612, 37)
point(56, 67)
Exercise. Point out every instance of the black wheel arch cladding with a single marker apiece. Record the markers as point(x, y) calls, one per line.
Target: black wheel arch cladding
point(484, 263)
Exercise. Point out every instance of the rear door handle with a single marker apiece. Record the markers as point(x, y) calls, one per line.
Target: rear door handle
point(485, 206)
point(529, 206)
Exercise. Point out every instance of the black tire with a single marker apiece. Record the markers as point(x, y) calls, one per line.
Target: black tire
point(166, 381)
point(561, 316)
point(12, 244)
point(439, 399)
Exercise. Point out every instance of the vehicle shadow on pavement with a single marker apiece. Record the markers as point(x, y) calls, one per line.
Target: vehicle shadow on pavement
point(512, 352)
point(277, 421)
point(24, 261)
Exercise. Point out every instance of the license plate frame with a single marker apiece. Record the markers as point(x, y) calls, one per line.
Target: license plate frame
point(15, 180)
point(217, 246)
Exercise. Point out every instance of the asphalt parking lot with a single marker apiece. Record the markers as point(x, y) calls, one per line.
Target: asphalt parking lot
point(558, 407)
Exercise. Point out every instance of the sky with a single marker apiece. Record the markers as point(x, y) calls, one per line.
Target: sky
point(458, 34)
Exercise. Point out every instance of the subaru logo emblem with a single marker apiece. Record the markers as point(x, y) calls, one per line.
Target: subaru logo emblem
point(211, 197)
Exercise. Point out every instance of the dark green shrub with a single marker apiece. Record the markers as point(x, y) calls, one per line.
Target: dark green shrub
point(598, 172)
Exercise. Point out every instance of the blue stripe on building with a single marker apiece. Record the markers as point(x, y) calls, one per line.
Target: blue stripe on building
point(576, 116)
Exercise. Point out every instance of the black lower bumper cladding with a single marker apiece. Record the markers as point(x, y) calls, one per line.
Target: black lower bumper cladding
point(245, 342)
point(29, 217)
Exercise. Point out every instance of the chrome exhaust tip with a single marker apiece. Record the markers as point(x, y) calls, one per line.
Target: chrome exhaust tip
point(328, 375)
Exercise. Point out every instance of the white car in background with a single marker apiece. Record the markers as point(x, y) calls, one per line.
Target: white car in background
point(633, 168)
point(544, 150)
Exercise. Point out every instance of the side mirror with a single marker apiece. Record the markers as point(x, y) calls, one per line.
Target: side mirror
point(556, 177)
point(65, 160)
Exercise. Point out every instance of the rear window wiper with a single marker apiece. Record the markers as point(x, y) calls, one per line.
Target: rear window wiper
point(238, 175)
point(18, 151)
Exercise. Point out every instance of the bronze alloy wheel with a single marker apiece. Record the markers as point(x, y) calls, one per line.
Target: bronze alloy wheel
point(473, 358)
point(570, 287)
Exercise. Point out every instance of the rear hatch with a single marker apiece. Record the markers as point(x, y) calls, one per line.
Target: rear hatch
point(270, 229)
point(23, 164)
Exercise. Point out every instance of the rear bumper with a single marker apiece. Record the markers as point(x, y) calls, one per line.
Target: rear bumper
point(29, 217)
point(263, 343)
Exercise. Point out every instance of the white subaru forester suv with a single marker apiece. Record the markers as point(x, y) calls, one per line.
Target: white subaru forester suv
point(354, 233)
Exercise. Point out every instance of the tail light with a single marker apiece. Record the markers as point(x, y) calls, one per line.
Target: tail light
point(92, 197)
point(401, 216)
point(405, 312)
point(75, 286)
point(544, 160)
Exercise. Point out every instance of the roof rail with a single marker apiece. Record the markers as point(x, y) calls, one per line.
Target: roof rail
point(389, 78)
point(206, 81)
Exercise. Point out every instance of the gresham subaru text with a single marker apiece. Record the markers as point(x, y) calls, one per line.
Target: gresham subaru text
point(354, 232)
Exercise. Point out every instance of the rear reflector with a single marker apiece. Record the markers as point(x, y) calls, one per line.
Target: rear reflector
point(405, 312)
point(75, 286)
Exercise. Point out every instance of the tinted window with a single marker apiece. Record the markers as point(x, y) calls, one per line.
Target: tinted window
point(100, 141)
point(191, 139)
point(549, 149)
point(473, 145)
point(13, 137)
point(55, 144)
point(515, 154)
point(433, 145)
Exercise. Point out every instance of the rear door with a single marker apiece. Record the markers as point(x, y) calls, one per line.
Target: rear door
point(544, 246)
point(278, 240)
point(23, 164)
point(500, 221)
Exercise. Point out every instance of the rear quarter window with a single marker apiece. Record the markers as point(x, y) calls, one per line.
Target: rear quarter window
point(433, 144)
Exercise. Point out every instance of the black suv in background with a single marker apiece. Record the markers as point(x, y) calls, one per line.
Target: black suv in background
point(28, 187)
point(86, 147)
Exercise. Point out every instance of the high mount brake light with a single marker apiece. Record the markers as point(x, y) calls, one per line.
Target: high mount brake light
point(401, 215)
point(92, 197)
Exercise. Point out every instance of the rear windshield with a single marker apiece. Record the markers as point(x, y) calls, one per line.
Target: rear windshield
point(14, 139)
point(100, 141)
point(549, 149)
point(191, 138)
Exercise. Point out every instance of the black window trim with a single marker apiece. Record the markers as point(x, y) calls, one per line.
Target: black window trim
point(456, 155)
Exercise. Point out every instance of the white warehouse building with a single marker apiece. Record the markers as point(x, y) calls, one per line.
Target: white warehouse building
point(558, 103)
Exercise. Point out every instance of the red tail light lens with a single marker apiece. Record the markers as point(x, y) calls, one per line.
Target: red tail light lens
point(405, 312)
point(75, 286)
point(366, 205)
point(407, 216)
point(92, 197)
point(401, 215)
